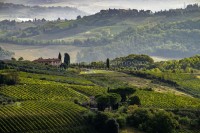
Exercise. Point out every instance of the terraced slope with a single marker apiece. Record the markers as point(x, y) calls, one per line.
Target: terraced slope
point(42, 92)
point(42, 104)
point(32, 116)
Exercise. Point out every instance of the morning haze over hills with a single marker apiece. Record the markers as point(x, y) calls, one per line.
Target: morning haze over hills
point(162, 34)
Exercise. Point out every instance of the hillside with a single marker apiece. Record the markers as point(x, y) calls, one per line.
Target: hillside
point(50, 99)
point(5, 54)
point(168, 34)
point(20, 12)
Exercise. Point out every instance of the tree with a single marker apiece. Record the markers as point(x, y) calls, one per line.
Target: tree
point(10, 77)
point(60, 56)
point(163, 122)
point(135, 100)
point(139, 117)
point(99, 121)
point(153, 121)
point(43, 20)
point(78, 17)
point(67, 59)
point(102, 102)
point(123, 92)
point(58, 19)
point(112, 126)
point(21, 59)
point(114, 100)
point(108, 100)
point(13, 59)
point(108, 63)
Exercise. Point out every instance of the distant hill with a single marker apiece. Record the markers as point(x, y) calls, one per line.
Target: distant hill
point(116, 32)
point(5, 54)
point(20, 12)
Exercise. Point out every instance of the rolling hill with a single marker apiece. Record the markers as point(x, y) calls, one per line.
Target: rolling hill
point(20, 12)
point(5, 54)
point(48, 99)
point(169, 34)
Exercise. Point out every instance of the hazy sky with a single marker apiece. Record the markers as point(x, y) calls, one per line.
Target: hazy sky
point(92, 6)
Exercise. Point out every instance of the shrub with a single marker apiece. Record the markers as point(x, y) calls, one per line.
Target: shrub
point(134, 100)
point(123, 92)
point(100, 120)
point(163, 122)
point(107, 100)
point(195, 123)
point(121, 121)
point(89, 117)
point(76, 101)
point(9, 78)
point(132, 108)
point(154, 121)
point(184, 121)
point(112, 126)
point(42, 78)
point(138, 117)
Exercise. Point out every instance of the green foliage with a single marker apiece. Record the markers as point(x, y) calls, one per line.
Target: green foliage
point(9, 77)
point(107, 100)
point(100, 120)
point(108, 63)
point(21, 59)
point(186, 82)
point(67, 59)
point(138, 117)
point(121, 121)
point(166, 100)
point(134, 100)
point(44, 91)
point(153, 121)
point(60, 56)
point(112, 126)
point(51, 116)
point(123, 92)
point(163, 122)
point(166, 40)
point(185, 64)
point(184, 121)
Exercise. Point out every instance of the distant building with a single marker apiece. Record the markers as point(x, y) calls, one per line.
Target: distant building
point(54, 61)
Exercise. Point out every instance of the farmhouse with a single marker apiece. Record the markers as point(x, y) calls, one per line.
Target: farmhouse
point(53, 61)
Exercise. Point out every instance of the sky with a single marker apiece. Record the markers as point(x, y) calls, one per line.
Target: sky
point(93, 6)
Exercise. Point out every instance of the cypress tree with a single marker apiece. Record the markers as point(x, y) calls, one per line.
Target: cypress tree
point(108, 63)
point(67, 59)
point(59, 56)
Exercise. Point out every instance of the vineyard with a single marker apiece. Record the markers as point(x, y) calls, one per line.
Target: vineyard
point(42, 92)
point(167, 100)
point(45, 103)
point(189, 82)
point(42, 116)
